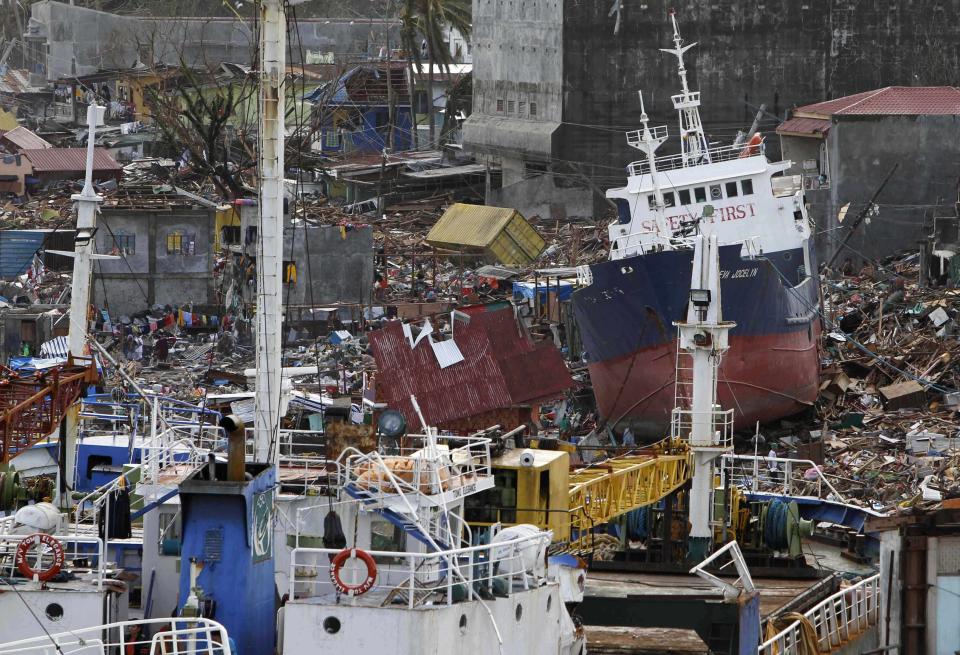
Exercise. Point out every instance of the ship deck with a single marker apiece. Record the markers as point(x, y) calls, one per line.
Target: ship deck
point(774, 594)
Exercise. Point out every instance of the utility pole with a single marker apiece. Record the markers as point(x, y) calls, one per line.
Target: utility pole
point(269, 321)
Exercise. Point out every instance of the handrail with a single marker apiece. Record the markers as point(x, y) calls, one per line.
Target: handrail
point(511, 556)
point(787, 483)
point(74, 539)
point(839, 618)
point(716, 154)
point(193, 636)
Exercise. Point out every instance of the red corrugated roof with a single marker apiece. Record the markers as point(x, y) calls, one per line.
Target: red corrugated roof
point(891, 100)
point(811, 126)
point(68, 160)
point(501, 368)
point(24, 139)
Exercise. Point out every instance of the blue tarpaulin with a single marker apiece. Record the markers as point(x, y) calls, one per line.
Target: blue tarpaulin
point(525, 290)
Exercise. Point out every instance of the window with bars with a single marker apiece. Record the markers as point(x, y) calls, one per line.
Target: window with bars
point(533, 109)
point(181, 243)
point(124, 244)
point(510, 105)
point(500, 105)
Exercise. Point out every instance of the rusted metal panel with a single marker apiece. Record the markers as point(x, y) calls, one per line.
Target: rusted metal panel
point(68, 160)
point(501, 368)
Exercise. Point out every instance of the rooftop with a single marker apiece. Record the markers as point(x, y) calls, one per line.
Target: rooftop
point(69, 159)
point(891, 100)
point(24, 139)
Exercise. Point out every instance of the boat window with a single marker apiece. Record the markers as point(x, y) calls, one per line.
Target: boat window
point(385, 536)
point(652, 201)
point(747, 187)
point(684, 196)
point(700, 194)
point(731, 189)
point(623, 210)
point(668, 200)
point(716, 193)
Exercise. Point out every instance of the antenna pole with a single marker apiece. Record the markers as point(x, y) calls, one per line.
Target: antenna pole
point(273, 37)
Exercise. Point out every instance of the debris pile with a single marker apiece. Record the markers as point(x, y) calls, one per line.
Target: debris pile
point(889, 400)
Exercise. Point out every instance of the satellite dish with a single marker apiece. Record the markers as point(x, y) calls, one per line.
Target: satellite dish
point(392, 424)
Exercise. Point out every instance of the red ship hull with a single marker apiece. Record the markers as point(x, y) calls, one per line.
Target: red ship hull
point(762, 377)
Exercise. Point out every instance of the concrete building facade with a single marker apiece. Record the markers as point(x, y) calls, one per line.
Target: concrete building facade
point(167, 258)
point(845, 148)
point(556, 81)
point(65, 40)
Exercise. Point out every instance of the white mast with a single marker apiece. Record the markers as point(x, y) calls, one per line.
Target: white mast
point(692, 139)
point(704, 337)
point(273, 37)
point(87, 202)
point(650, 141)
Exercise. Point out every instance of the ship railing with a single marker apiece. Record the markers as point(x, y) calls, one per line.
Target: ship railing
point(418, 466)
point(779, 475)
point(7, 523)
point(838, 619)
point(635, 137)
point(159, 636)
point(301, 457)
point(719, 425)
point(75, 548)
point(408, 578)
point(716, 154)
point(181, 449)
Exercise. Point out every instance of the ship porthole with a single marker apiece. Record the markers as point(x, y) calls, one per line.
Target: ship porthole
point(549, 603)
point(463, 624)
point(519, 613)
point(788, 256)
point(331, 625)
point(54, 611)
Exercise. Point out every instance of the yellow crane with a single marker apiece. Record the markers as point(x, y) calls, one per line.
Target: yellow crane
point(541, 488)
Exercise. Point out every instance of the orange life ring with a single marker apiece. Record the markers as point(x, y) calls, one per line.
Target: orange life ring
point(23, 549)
point(337, 564)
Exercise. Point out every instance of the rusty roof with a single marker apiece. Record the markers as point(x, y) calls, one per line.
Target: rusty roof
point(502, 368)
point(890, 100)
point(817, 127)
point(48, 160)
point(24, 139)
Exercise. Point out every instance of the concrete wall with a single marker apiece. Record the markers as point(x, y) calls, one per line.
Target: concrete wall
point(151, 275)
point(541, 196)
point(339, 270)
point(779, 52)
point(862, 152)
point(82, 41)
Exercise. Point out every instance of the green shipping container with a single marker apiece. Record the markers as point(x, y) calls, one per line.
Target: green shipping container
point(502, 234)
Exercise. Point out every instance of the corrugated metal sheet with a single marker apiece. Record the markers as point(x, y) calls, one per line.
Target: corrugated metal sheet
point(811, 126)
point(891, 100)
point(17, 248)
point(470, 225)
point(501, 368)
point(24, 139)
point(66, 160)
point(499, 231)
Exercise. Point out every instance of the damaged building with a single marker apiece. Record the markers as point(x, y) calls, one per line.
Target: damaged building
point(835, 147)
point(555, 83)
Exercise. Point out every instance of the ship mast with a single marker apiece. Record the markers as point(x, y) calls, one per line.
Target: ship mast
point(649, 142)
point(273, 36)
point(704, 337)
point(692, 139)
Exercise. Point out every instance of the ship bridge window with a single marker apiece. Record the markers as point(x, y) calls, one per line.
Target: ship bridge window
point(623, 210)
point(732, 190)
point(700, 194)
point(716, 192)
point(747, 187)
point(684, 196)
point(668, 199)
point(652, 201)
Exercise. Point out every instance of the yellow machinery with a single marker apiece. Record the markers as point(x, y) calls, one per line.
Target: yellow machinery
point(539, 487)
